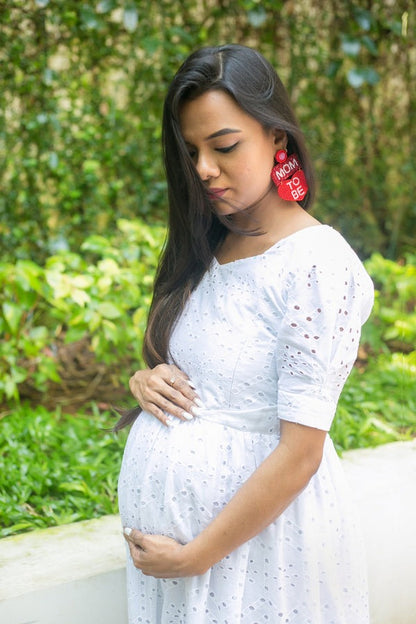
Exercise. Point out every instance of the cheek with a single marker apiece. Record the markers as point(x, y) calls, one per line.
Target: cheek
point(254, 166)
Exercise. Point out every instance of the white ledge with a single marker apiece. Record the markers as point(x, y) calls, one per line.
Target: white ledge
point(49, 557)
point(74, 574)
point(383, 480)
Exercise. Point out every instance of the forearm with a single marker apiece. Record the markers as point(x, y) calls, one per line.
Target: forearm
point(262, 498)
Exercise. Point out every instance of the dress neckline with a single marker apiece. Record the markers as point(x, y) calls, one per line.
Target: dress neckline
point(272, 247)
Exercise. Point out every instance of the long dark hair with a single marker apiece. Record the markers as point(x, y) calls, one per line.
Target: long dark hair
point(194, 230)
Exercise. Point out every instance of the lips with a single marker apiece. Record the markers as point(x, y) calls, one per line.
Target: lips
point(216, 193)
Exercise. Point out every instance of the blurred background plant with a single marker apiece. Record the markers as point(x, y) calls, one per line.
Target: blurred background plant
point(83, 207)
point(73, 327)
point(83, 85)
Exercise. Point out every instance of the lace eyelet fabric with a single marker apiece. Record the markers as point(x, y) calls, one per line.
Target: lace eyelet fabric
point(264, 339)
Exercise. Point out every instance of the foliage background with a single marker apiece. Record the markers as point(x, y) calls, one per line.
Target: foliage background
point(83, 205)
point(83, 84)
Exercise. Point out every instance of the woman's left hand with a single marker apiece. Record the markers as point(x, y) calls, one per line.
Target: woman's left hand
point(158, 555)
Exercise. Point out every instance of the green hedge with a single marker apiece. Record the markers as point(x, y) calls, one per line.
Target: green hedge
point(83, 83)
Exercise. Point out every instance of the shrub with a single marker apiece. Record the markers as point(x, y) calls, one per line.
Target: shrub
point(393, 322)
point(97, 302)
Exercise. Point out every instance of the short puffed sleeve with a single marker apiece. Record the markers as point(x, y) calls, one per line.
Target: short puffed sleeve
point(329, 296)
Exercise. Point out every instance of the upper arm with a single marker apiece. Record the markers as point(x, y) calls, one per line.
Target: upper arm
point(303, 444)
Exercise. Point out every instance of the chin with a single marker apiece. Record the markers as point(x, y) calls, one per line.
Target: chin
point(224, 209)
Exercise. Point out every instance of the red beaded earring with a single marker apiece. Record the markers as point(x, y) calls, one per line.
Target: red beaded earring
point(288, 176)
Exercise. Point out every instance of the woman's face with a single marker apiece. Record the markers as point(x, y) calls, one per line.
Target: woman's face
point(232, 152)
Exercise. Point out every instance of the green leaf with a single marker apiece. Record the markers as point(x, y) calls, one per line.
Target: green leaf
point(363, 18)
point(20, 526)
point(109, 267)
point(395, 27)
point(91, 166)
point(13, 314)
point(357, 77)
point(350, 46)
point(80, 296)
point(109, 310)
point(38, 334)
point(97, 244)
point(82, 281)
point(105, 5)
point(74, 487)
point(257, 18)
point(333, 68)
point(10, 387)
point(60, 284)
point(371, 76)
point(30, 274)
point(111, 332)
point(370, 45)
point(151, 44)
point(130, 18)
point(53, 160)
point(88, 17)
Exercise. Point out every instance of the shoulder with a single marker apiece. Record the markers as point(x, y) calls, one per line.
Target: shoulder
point(319, 258)
point(324, 248)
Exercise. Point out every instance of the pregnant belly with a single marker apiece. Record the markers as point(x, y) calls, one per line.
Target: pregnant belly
point(173, 481)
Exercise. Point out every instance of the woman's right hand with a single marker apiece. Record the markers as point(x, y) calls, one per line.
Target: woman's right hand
point(166, 392)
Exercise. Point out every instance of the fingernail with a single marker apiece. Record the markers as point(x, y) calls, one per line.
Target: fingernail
point(187, 415)
point(198, 402)
point(170, 421)
point(127, 531)
point(191, 383)
point(196, 411)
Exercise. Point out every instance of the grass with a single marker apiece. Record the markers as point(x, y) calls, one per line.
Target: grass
point(56, 468)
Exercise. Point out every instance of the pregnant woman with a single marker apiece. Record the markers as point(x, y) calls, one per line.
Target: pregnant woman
point(231, 494)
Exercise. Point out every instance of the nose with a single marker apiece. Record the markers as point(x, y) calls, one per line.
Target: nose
point(207, 167)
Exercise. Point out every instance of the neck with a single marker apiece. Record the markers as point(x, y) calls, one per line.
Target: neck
point(272, 219)
point(268, 214)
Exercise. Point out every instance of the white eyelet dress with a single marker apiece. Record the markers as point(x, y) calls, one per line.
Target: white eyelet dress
point(265, 338)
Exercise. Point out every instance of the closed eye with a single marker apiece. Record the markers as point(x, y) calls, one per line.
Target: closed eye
point(226, 150)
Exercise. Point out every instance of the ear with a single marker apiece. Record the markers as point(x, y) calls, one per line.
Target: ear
point(280, 139)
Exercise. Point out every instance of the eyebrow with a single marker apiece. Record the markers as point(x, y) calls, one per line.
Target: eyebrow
point(219, 133)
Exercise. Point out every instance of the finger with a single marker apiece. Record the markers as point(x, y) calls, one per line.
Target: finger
point(172, 402)
point(134, 536)
point(166, 379)
point(180, 380)
point(154, 410)
point(165, 411)
point(182, 386)
point(168, 416)
point(159, 390)
point(186, 410)
point(180, 400)
point(136, 554)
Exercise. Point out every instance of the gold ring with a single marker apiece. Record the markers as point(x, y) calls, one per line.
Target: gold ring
point(172, 380)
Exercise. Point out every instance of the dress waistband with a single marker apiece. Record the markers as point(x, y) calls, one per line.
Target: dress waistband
point(259, 420)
